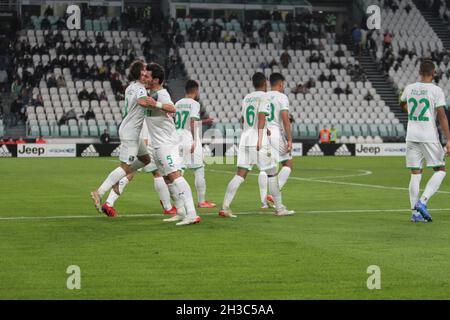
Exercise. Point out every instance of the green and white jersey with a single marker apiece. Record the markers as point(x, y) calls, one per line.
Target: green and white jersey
point(187, 109)
point(161, 127)
point(253, 104)
point(278, 102)
point(133, 113)
point(144, 132)
point(423, 99)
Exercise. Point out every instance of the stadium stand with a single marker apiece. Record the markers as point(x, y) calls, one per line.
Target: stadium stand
point(73, 72)
point(48, 119)
point(413, 39)
point(224, 71)
point(55, 23)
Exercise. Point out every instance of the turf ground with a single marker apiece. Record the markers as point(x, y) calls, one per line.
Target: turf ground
point(352, 213)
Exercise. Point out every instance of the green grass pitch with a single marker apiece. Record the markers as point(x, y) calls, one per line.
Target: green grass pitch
point(351, 213)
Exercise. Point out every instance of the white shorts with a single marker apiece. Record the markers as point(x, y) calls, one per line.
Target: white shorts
point(167, 159)
point(151, 167)
point(191, 160)
point(131, 149)
point(279, 143)
point(248, 157)
point(416, 152)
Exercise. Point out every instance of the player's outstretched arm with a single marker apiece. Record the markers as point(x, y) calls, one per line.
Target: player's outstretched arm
point(443, 121)
point(287, 129)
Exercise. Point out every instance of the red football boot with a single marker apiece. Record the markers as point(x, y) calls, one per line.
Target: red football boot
point(206, 204)
point(170, 212)
point(109, 211)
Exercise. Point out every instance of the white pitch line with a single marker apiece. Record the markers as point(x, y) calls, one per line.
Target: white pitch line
point(362, 174)
point(158, 215)
point(375, 186)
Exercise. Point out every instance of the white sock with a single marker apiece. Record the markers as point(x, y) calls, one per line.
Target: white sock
point(231, 191)
point(262, 182)
point(179, 204)
point(414, 189)
point(432, 186)
point(200, 184)
point(111, 180)
point(283, 176)
point(112, 198)
point(185, 193)
point(163, 192)
point(274, 189)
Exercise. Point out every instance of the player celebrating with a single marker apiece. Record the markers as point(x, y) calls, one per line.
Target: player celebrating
point(254, 147)
point(187, 122)
point(165, 142)
point(133, 152)
point(424, 101)
point(159, 183)
point(280, 135)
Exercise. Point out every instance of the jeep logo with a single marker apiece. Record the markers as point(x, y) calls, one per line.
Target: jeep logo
point(31, 150)
point(371, 150)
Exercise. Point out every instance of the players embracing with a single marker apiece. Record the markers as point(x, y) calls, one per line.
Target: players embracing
point(157, 112)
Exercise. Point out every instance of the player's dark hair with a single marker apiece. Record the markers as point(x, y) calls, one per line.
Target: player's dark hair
point(258, 80)
point(191, 85)
point(275, 78)
point(135, 70)
point(157, 71)
point(427, 67)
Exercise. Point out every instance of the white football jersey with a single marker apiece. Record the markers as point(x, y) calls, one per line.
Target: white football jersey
point(423, 99)
point(187, 109)
point(133, 113)
point(253, 104)
point(160, 124)
point(144, 131)
point(278, 102)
